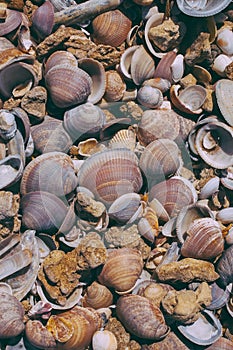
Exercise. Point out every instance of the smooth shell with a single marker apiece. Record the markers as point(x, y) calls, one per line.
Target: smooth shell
point(150, 97)
point(202, 8)
point(223, 92)
point(11, 313)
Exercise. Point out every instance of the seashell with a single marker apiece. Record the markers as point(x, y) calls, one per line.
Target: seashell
point(159, 209)
point(224, 41)
point(38, 172)
point(141, 317)
point(5, 288)
point(96, 71)
point(8, 126)
point(84, 121)
point(148, 225)
point(205, 331)
point(160, 83)
point(209, 188)
point(114, 173)
point(115, 86)
point(158, 124)
point(201, 8)
point(220, 63)
point(68, 85)
point(59, 57)
point(11, 170)
point(42, 211)
point(111, 28)
point(229, 237)
point(121, 269)
point(188, 215)
point(213, 143)
point(74, 329)
point(38, 335)
point(163, 69)
point(125, 138)
point(43, 20)
point(150, 97)
point(219, 297)
point(15, 263)
point(153, 21)
point(202, 75)
point(126, 208)
point(16, 79)
point(126, 59)
point(190, 99)
point(97, 296)
point(12, 313)
point(50, 136)
point(225, 215)
point(222, 343)
point(223, 91)
point(174, 194)
point(104, 340)
point(140, 72)
point(225, 266)
point(11, 22)
point(90, 146)
point(204, 240)
point(143, 2)
point(177, 68)
point(159, 160)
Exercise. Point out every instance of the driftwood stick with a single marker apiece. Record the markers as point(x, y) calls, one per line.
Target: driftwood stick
point(78, 14)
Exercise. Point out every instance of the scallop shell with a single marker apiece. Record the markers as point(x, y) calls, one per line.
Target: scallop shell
point(121, 269)
point(39, 174)
point(202, 8)
point(223, 92)
point(111, 28)
point(124, 138)
point(114, 173)
point(96, 71)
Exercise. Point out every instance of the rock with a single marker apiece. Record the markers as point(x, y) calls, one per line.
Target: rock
point(34, 102)
point(199, 51)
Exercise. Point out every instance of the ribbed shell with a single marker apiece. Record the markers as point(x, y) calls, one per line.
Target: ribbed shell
point(225, 266)
point(68, 85)
point(41, 172)
point(140, 72)
point(110, 174)
point(12, 21)
point(124, 138)
point(141, 318)
point(42, 211)
point(122, 269)
point(174, 194)
point(125, 207)
point(158, 124)
point(43, 20)
point(159, 160)
point(97, 296)
point(111, 28)
point(11, 313)
point(59, 57)
point(223, 92)
point(84, 121)
point(204, 241)
point(115, 86)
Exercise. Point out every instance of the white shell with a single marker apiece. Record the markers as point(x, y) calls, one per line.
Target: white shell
point(209, 188)
point(220, 63)
point(225, 215)
point(126, 59)
point(104, 340)
point(225, 41)
point(177, 68)
point(203, 8)
point(153, 21)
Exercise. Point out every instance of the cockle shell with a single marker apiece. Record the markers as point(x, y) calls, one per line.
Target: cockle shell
point(126, 59)
point(43, 20)
point(150, 97)
point(68, 85)
point(126, 208)
point(204, 240)
point(148, 225)
point(158, 124)
point(59, 57)
point(190, 99)
point(223, 92)
point(114, 173)
point(111, 28)
point(141, 317)
point(153, 21)
point(11, 313)
point(220, 63)
point(163, 69)
point(39, 174)
point(160, 83)
point(122, 269)
point(159, 160)
point(140, 72)
point(11, 22)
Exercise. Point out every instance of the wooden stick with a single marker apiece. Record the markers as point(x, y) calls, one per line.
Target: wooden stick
point(78, 14)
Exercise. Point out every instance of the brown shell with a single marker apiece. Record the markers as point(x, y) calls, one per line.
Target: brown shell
point(141, 317)
point(204, 240)
point(114, 173)
point(11, 314)
point(37, 334)
point(122, 269)
point(111, 28)
point(59, 57)
point(115, 86)
point(97, 296)
point(157, 124)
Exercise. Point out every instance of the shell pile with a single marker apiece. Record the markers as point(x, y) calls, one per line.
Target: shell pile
point(116, 174)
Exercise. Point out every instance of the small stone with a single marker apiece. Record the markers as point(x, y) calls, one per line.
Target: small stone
point(229, 71)
point(188, 80)
point(9, 205)
point(34, 102)
point(208, 105)
point(199, 51)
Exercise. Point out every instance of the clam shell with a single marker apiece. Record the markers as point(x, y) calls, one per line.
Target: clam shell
point(114, 173)
point(163, 69)
point(8, 126)
point(158, 124)
point(39, 174)
point(214, 142)
point(174, 194)
point(111, 28)
point(153, 21)
point(219, 297)
point(68, 85)
point(225, 266)
point(126, 59)
point(115, 86)
point(220, 63)
point(150, 97)
point(209, 188)
point(97, 296)
point(96, 71)
point(223, 92)
point(148, 225)
point(225, 215)
point(43, 20)
point(205, 331)
point(160, 83)
point(224, 40)
point(11, 170)
point(11, 22)
point(59, 57)
point(159, 160)
point(204, 241)
point(121, 269)
point(202, 8)
point(190, 99)
point(126, 208)
point(38, 336)
point(141, 318)
point(84, 121)
point(139, 72)
point(104, 340)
